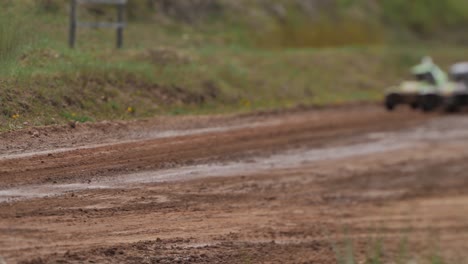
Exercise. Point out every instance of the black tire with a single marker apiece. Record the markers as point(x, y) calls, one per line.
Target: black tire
point(414, 105)
point(391, 101)
point(430, 102)
point(453, 105)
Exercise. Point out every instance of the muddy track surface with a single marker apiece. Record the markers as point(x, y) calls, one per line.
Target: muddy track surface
point(260, 188)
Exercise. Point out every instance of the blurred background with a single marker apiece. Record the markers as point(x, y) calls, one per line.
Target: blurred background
point(214, 56)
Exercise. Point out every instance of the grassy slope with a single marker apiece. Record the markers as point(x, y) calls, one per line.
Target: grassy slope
point(175, 68)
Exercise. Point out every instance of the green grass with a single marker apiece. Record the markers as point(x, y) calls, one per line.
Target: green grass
point(77, 118)
point(14, 39)
point(377, 252)
point(215, 64)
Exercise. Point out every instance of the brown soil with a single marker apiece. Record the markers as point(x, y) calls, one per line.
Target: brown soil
point(290, 214)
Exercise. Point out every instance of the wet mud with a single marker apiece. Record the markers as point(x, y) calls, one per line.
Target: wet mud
point(276, 188)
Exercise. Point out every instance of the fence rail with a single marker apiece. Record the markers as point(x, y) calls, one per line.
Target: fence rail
point(75, 23)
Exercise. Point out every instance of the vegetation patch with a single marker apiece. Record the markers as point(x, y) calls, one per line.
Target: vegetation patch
point(379, 250)
point(182, 57)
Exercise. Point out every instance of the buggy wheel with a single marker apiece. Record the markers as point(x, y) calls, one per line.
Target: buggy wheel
point(430, 102)
point(453, 104)
point(391, 101)
point(414, 105)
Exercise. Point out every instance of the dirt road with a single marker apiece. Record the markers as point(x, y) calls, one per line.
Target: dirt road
point(270, 188)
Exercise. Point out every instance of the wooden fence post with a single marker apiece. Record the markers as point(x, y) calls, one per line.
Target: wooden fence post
point(120, 21)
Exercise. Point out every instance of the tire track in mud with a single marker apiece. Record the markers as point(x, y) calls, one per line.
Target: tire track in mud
point(360, 169)
point(418, 138)
point(283, 205)
point(302, 130)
